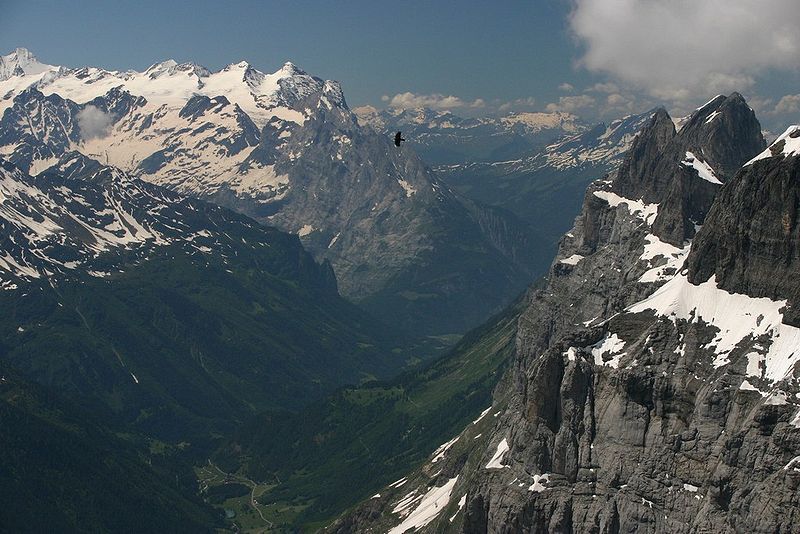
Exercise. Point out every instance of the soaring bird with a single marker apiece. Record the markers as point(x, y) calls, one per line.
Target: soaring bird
point(398, 138)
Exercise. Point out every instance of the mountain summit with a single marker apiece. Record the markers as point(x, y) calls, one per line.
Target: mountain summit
point(20, 63)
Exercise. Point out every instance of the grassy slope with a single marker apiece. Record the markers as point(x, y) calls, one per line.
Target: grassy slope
point(62, 471)
point(207, 346)
point(342, 450)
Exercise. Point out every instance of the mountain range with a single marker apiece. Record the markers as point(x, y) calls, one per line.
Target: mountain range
point(444, 138)
point(218, 287)
point(544, 187)
point(175, 314)
point(284, 149)
point(534, 165)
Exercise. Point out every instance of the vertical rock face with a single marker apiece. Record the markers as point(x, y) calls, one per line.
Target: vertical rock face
point(647, 394)
point(663, 166)
point(637, 176)
point(751, 239)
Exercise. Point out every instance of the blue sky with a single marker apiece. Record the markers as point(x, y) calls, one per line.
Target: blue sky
point(593, 57)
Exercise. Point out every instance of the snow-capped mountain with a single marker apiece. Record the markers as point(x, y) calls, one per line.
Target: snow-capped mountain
point(261, 95)
point(20, 63)
point(655, 385)
point(82, 218)
point(443, 138)
point(285, 149)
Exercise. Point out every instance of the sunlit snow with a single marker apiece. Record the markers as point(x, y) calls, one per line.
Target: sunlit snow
point(429, 507)
point(497, 460)
point(703, 169)
point(737, 316)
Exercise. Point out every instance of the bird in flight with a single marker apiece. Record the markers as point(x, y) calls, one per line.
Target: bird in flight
point(398, 138)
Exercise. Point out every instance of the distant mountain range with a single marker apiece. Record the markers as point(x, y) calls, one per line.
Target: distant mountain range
point(543, 186)
point(444, 138)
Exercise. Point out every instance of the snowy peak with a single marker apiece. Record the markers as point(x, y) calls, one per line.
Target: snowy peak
point(262, 96)
point(681, 171)
point(21, 62)
point(727, 131)
point(720, 136)
point(80, 218)
point(171, 67)
point(786, 145)
point(290, 69)
point(538, 121)
point(157, 70)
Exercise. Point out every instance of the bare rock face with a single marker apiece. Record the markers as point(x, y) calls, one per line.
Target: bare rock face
point(637, 176)
point(663, 165)
point(646, 395)
point(751, 240)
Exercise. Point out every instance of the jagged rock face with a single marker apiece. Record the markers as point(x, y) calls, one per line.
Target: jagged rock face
point(663, 166)
point(645, 395)
point(636, 174)
point(727, 130)
point(286, 150)
point(751, 239)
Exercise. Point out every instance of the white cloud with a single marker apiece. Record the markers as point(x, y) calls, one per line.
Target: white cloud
point(681, 50)
point(93, 122)
point(435, 101)
point(605, 88)
point(520, 104)
point(788, 104)
point(761, 105)
point(566, 87)
point(571, 104)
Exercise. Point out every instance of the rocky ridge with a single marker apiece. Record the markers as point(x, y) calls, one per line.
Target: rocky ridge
point(649, 392)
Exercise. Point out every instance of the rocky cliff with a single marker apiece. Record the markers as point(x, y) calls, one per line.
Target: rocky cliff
point(649, 393)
